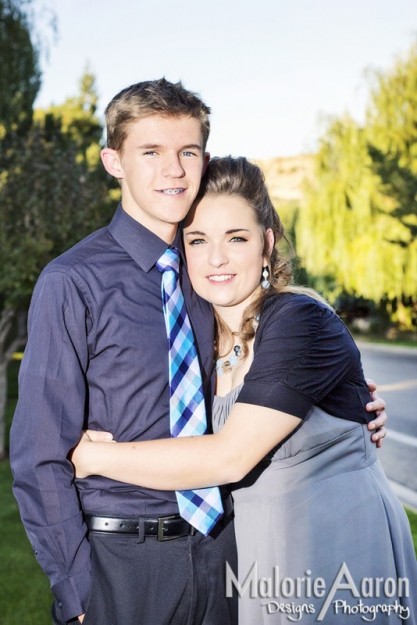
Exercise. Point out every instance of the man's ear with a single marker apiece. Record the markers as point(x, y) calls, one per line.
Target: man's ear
point(111, 161)
point(206, 160)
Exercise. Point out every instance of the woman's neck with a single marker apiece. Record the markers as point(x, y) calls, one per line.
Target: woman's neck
point(231, 315)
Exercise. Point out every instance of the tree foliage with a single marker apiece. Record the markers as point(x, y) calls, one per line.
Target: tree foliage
point(19, 68)
point(53, 189)
point(48, 200)
point(356, 233)
point(78, 120)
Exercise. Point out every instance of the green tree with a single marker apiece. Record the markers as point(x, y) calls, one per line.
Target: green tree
point(19, 85)
point(53, 191)
point(49, 199)
point(392, 143)
point(338, 217)
point(20, 74)
point(79, 120)
point(356, 231)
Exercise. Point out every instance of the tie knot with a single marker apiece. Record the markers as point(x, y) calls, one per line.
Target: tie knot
point(170, 259)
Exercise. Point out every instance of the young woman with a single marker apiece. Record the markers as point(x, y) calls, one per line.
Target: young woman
point(314, 513)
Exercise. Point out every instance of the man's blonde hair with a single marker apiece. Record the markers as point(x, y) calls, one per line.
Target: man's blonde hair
point(152, 97)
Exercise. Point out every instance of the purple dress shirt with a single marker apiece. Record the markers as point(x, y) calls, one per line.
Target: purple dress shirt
point(96, 357)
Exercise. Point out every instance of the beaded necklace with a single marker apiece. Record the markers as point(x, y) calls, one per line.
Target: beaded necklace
point(226, 365)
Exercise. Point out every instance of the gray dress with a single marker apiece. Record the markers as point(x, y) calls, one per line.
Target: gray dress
point(321, 537)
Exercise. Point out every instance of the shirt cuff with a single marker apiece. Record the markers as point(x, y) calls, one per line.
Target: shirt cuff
point(276, 396)
point(72, 595)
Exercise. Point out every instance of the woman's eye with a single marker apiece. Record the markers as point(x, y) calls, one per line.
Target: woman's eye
point(238, 240)
point(196, 242)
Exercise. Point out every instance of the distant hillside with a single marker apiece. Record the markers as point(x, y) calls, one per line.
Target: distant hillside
point(285, 176)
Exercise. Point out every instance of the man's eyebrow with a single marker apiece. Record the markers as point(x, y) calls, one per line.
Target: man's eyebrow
point(148, 146)
point(192, 146)
point(155, 146)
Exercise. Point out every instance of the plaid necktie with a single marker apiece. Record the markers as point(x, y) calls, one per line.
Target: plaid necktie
point(202, 508)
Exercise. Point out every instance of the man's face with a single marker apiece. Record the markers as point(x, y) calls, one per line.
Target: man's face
point(160, 166)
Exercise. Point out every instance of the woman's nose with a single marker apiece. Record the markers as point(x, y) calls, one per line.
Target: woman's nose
point(218, 257)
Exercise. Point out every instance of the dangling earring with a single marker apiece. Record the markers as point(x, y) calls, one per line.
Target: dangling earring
point(265, 283)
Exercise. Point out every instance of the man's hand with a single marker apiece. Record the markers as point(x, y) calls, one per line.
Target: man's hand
point(377, 405)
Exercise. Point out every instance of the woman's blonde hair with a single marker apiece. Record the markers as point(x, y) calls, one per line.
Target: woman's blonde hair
point(237, 176)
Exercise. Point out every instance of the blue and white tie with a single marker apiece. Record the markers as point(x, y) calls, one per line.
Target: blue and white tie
point(202, 507)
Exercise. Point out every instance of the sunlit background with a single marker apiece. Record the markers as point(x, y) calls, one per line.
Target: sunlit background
point(270, 69)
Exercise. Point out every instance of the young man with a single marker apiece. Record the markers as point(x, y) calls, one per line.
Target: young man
point(97, 357)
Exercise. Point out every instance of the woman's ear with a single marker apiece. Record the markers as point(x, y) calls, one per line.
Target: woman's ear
point(269, 244)
point(111, 161)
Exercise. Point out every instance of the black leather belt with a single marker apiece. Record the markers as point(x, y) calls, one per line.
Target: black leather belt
point(164, 527)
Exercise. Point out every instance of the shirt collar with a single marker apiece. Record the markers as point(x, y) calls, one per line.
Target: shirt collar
point(141, 244)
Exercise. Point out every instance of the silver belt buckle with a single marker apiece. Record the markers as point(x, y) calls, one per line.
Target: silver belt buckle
point(161, 521)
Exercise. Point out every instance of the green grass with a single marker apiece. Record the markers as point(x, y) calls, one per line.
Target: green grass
point(25, 598)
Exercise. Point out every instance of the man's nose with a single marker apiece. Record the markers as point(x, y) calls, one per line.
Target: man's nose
point(172, 166)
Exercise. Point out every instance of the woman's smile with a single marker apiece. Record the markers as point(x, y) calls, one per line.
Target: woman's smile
point(221, 278)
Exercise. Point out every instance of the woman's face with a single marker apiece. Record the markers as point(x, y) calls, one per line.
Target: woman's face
point(225, 246)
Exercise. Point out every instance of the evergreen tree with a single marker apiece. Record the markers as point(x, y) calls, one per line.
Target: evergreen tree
point(53, 192)
point(19, 85)
point(20, 74)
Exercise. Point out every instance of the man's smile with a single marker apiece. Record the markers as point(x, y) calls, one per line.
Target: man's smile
point(172, 191)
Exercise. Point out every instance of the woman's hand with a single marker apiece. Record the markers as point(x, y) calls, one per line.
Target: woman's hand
point(82, 455)
point(377, 405)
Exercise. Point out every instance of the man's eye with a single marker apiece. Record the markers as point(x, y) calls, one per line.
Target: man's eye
point(149, 153)
point(188, 153)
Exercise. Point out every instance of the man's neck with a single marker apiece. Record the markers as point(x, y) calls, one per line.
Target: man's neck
point(164, 230)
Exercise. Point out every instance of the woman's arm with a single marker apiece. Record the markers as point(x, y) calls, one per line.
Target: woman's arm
point(190, 462)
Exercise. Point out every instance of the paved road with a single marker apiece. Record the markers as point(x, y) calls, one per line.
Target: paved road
point(395, 371)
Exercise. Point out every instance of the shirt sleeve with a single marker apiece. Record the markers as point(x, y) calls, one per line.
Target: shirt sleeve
point(300, 355)
point(47, 423)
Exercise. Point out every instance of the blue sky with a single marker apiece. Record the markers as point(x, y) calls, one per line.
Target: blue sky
point(271, 70)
